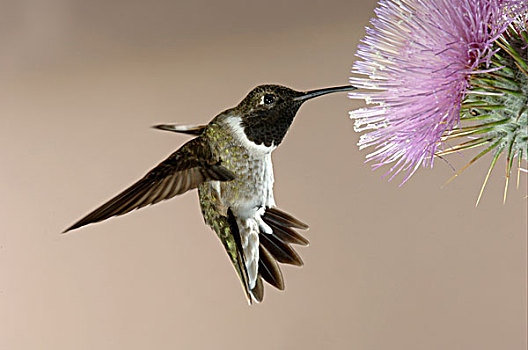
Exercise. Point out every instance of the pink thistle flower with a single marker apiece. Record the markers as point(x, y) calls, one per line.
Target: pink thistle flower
point(418, 71)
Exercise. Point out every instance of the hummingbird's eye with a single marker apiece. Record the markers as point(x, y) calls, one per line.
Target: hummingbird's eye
point(267, 99)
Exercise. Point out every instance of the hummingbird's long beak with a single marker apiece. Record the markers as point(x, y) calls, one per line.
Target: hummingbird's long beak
point(319, 92)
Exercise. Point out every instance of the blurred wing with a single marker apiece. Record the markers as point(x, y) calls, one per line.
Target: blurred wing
point(183, 170)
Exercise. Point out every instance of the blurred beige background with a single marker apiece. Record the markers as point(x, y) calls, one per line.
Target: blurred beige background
point(416, 267)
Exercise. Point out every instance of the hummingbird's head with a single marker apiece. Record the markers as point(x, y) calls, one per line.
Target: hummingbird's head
point(268, 111)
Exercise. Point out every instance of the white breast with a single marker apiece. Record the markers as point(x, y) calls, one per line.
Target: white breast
point(249, 210)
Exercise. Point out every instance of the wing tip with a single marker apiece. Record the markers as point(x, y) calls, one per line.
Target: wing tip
point(181, 128)
point(77, 225)
point(71, 228)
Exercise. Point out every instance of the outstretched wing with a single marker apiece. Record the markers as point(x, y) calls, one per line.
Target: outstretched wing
point(183, 170)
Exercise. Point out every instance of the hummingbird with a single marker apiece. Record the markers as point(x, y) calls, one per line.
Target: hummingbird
point(229, 162)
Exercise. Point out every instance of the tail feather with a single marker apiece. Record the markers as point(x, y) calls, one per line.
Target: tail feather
point(283, 219)
point(282, 252)
point(269, 269)
point(275, 247)
point(258, 291)
point(286, 234)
